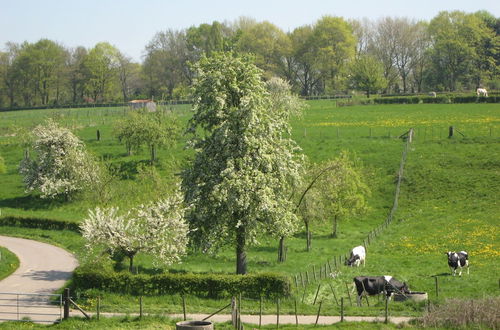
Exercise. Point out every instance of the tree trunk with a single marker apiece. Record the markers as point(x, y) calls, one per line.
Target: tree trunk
point(308, 237)
point(241, 256)
point(153, 154)
point(282, 250)
point(131, 264)
point(335, 221)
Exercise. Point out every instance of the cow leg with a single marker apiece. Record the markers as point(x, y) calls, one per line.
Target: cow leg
point(460, 272)
point(358, 300)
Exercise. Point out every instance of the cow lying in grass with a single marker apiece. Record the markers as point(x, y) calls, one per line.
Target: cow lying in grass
point(358, 256)
point(374, 285)
point(458, 260)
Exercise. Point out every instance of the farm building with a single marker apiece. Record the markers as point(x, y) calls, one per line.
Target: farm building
point(150, 105)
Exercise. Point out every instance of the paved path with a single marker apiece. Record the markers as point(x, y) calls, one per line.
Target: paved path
point(270, 319)
point(43, 269)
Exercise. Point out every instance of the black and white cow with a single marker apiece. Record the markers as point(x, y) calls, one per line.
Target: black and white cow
point(358, 256)
point(373, 285)
point(458, 260)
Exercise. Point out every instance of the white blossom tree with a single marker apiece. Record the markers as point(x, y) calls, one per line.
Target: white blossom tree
point(157, 228)
point(245, 166)
point(61, 165)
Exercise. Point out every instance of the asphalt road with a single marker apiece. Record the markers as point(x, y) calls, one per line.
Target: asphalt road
point(43, 269)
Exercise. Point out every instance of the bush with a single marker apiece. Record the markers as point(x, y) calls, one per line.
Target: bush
point(51, 224)
point(455, 313)
point(204, 285)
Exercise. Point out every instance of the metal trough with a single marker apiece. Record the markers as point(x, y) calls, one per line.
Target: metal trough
point(413, 296)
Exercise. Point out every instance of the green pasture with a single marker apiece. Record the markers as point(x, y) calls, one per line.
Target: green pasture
point(8, 262)
point(449, 201)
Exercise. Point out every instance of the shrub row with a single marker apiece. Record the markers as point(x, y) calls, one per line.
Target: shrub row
point(40, 223)
point(267, 285)
point(438, 99)
point(423, 99)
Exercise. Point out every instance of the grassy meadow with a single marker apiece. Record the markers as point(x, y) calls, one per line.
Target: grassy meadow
point(8, 263)
point(448, 201)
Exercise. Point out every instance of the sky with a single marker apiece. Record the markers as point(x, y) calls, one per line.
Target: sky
point(130, 25)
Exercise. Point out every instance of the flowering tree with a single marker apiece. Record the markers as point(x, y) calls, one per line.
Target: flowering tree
point(156, 228)
point(242, 174)
point(61, 165)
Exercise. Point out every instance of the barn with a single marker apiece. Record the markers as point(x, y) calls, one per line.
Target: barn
point(150, 105)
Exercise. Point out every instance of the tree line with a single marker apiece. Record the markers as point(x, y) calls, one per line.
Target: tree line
point(451, 52)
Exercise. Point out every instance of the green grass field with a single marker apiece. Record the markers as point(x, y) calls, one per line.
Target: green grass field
point(449, 200)
point(8, 262)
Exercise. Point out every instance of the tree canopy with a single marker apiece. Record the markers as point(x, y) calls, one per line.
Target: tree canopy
point(245, 166)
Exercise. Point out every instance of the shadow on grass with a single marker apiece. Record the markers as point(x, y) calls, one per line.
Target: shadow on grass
point(442, 274)
point(32, 202)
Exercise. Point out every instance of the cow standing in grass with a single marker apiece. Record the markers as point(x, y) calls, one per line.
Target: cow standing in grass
point(482, 92)
point(458, 260)
point(374, 285)
point(358, 256)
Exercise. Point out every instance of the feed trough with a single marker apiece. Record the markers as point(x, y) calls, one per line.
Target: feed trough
point(191, 325)
point(414, 296)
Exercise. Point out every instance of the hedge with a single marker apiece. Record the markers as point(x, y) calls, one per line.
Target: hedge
point(41, 223)
point(267, 285)
point(438, 99)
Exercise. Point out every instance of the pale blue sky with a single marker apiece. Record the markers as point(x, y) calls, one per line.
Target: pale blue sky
point(130, 25)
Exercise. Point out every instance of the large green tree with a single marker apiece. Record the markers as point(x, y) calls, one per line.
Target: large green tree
point(244, 167)
point(367, 74)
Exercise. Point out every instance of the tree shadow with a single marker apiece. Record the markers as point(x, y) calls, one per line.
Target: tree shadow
point(442, 274)
point(32, 202)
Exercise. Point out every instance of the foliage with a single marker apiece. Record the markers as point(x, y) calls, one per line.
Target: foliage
point(153, 129)
point(343, 189)
point(61, 165)
point(244, 168)
point(156, 228)
point(367, 74)
point(458, 313)
point(209, 285)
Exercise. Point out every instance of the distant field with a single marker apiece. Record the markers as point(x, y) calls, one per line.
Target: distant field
point(449, 198)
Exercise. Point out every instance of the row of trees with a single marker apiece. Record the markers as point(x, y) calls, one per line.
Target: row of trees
point(244, 179)
point(454, 51)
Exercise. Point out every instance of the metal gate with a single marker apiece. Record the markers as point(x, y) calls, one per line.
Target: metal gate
point(33, 307)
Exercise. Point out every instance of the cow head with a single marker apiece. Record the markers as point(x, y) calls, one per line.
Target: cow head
point(405, 288)
point(351, 260)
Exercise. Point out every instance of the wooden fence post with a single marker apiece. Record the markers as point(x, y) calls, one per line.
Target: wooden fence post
point(341, 309)
point(334, 295)
point(234, 316)
point(348, 293)
point(98, 308)
point(140, 308)
point(386, 309)
point(437, 286)
point(66, 304)
point(316, 296)
point(260, 311)
point(184, 307)
point(296, 316)
point(278, 312)
point(319, 310)
point(314, 272)
point(450, 132)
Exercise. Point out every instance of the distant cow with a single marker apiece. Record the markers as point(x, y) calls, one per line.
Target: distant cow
point(358, 256)
point(373, 285)
point(458, 260)
point(482, 92)
point(433, 94)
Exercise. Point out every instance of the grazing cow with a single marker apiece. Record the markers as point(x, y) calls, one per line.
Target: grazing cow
point(433, 94)
point(458, 260)
point(482, 92)
point(373, 285)
point(358, 256)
